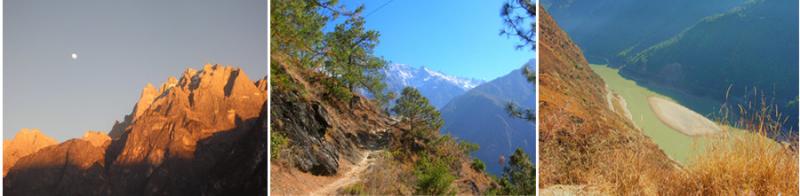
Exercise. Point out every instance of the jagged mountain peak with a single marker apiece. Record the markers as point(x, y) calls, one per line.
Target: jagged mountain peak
point(25, 142)
point(214, 81)
point(31, 134)
point(438, 87)
point(410, 75)
point(203, 130)
point(96, 138)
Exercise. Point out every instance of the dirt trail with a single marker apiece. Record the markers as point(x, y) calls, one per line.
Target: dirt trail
point(350, 177)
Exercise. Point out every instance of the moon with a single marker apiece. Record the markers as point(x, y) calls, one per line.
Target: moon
point(74, 56)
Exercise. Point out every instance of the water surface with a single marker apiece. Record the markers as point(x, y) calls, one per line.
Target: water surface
point(676, 145)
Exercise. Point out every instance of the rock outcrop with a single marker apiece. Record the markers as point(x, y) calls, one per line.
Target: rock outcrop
point(323, 131)
point(96, 138)
point(180, 139)
point(27, 141)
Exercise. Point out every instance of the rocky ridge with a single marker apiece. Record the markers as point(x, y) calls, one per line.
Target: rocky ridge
point(25, 142)
point(181, 138)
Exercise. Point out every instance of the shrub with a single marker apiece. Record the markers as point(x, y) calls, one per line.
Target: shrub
point(469, 147)
point(433, 177)
point(277, 143)
point(280, 80)
point(354, 189)
point(336, 91)
point(519, 176)
point(478, 165)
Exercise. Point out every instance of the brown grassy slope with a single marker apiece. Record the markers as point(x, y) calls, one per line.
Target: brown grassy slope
point(581, 140)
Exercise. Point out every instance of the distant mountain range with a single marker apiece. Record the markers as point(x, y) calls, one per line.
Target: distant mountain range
point(479, 116)
point(609, 31)
point(730, 55)
point(439, 88)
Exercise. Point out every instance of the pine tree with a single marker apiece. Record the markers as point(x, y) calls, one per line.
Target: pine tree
point(515, 15)
point(518, 17)
point(345, 54)
point(519, 176)
point(425, 120)
point(296, 29)
point(349, 51)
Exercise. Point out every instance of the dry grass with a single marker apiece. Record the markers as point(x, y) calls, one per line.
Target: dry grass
point(749, 162)
point(386, 177)
point(735, 162)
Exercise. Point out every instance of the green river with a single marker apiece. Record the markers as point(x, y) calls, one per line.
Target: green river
point(675, 144)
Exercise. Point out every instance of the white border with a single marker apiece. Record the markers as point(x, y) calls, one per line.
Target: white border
point(269, 100)
point(536, 51)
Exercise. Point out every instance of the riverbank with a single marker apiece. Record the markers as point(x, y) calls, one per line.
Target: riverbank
point(680, 118)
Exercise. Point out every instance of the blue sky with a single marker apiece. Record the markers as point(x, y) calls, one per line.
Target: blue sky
point(455, 37)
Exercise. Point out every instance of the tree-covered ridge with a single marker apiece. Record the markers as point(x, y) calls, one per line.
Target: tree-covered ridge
point(741, 52)
point(610, 31)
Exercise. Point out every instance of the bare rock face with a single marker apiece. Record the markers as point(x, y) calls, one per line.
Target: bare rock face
point(323, 132)
point(96, 138)
point(243, 171)
point(184, 131)
point(27, 141)
point(306, 124)
point(262, 84)
point(149, 93)
point(74, 167)
point(179, 134)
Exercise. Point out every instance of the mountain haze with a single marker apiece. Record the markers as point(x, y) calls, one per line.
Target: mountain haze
point(747, 48)
point(610, 31)
point(479, 116)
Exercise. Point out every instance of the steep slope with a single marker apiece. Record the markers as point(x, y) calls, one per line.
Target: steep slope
point(744, 49)
point(480, 117)
point(333, 144)
point(610, 31)
point(582, 140)
point(180, 139)
point(25, 142)
point(436, 86)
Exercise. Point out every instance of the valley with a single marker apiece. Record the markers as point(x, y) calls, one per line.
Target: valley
point(677, 145)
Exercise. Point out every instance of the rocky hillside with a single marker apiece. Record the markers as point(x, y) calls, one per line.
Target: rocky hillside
point(204, 133)
point(582, 141)
point(27, 141)
point(333, 144)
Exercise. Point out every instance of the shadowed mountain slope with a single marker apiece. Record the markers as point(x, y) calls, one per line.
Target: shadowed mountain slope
point(479, 116)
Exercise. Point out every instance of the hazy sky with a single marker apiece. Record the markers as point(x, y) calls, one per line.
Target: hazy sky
point(121, 46)
point(456, 37)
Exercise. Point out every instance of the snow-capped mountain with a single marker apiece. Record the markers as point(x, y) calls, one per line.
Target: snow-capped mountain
point(436, 86)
